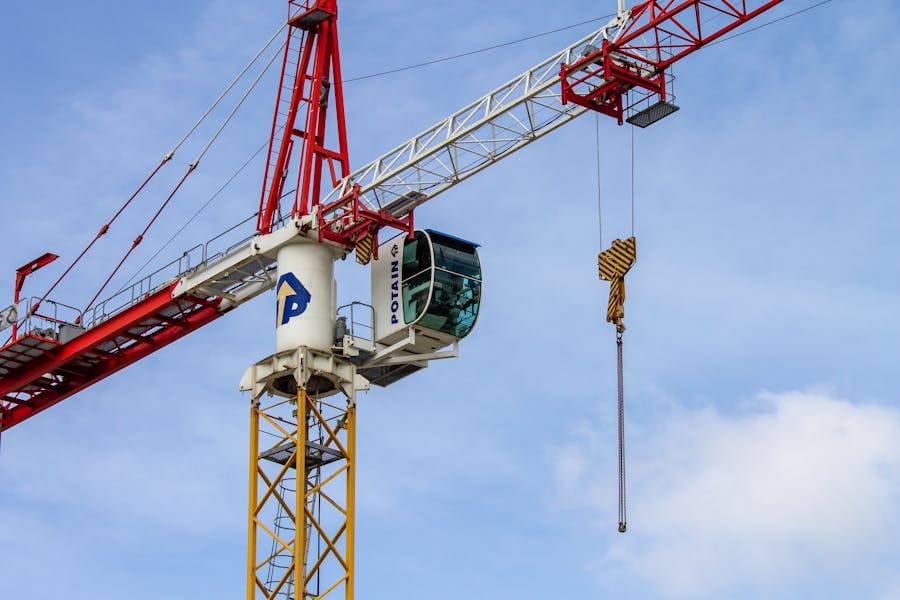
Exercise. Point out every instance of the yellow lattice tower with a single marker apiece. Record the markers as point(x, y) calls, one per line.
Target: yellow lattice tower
point(301, 524)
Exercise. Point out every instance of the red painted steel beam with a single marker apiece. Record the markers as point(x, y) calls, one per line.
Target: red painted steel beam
point(23, 272)
point(311, 70)
point(356, 220)
point(311, 74)
point(42, 402)
point(105, 331)
point(658, 34)
point(27, 269)
point(680, 28)
point(78, 349)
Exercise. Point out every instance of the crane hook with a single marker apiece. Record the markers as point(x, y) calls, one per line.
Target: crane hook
point(612, 265)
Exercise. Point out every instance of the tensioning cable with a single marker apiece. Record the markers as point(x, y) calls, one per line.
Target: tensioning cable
point(165, 160)
point(191, 168)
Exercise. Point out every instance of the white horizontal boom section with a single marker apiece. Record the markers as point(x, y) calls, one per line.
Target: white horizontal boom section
point(491, 128)
point(495, 126)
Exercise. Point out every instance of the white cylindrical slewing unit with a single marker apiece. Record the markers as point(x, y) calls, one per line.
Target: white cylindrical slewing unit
point(305, 296)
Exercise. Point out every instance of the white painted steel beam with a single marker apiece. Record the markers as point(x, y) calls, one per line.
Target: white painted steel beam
point(509, 118)
point(491, 128)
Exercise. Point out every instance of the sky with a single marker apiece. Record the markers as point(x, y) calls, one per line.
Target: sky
point(762, 395)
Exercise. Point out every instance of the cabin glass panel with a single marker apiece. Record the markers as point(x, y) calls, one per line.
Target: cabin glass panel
point(456, 295)
point(416, 277)
point(416, 256)
point(454, 304)
point(415, 295)
point(456, 256)
point(441, 283)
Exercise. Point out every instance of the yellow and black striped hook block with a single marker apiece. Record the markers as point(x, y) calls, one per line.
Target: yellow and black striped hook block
point(365, 247)
point(613, 264)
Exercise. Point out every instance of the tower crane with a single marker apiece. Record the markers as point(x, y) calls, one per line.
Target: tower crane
point(426, 285)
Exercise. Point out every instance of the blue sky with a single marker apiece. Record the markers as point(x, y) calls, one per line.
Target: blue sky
point(761, 380)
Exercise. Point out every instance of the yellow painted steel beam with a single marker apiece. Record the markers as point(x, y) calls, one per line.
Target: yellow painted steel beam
point(252, 496)
point(319, 509)
point(300, 532)
point(350, 508)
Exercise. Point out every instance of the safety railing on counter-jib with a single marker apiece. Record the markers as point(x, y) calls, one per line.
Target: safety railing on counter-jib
point(49, 318)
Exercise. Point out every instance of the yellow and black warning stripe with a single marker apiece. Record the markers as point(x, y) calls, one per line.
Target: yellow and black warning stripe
point(612, 265)
point(365, 247)
point(616, 261)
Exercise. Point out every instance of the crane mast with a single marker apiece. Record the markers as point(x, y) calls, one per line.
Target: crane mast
point(303, 396)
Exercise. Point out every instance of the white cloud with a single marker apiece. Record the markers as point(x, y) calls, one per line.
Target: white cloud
point(803, 483)
point(890, 591)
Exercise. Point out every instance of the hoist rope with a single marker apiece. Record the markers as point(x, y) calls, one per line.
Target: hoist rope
point(599, 179)
point(622, 516)
point(632, 181)
point(620, 328)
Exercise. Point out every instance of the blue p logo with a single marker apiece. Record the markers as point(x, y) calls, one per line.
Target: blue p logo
point(293, 298)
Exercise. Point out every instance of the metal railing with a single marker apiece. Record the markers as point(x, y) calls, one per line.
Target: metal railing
point(360, 320)
point(44, 318)
point(50, 314)
point(201, 255)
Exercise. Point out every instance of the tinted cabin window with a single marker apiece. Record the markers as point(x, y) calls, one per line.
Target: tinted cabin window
point(416, 277)
point(457, 287)
point(456, 257)
point(416, 256)
point(415, 295)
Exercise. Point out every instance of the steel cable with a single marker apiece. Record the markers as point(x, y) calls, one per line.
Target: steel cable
point(473, 52)
point(167, 158)
point(622, 515)
point(193, 217)
point(228, 88)
point(239, 104)
point(137, 240)
point(599, 179)
point(767, 23)
point(100, 234)
point(193, 166)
